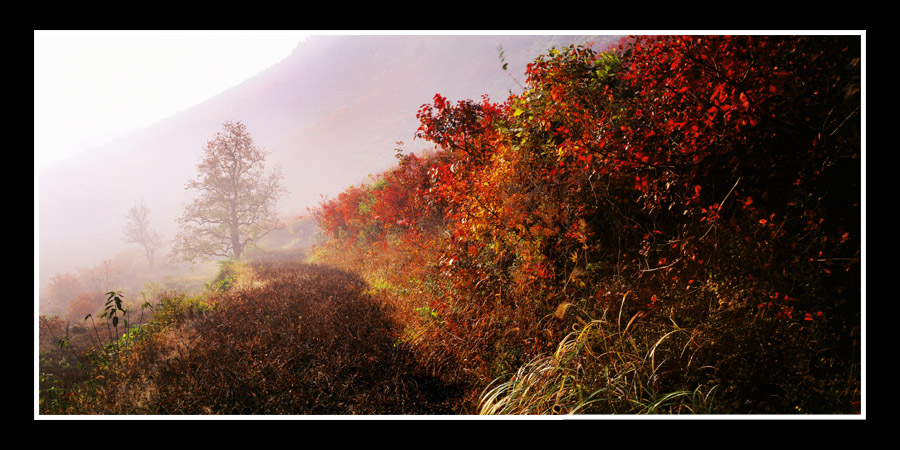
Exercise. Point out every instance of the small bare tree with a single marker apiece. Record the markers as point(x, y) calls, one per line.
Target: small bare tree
point(137, 230)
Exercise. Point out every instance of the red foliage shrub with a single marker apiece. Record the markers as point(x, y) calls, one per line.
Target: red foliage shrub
point(696, 172)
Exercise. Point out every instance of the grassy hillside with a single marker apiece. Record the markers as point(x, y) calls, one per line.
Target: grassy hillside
point(271, 336)
point(668, 226)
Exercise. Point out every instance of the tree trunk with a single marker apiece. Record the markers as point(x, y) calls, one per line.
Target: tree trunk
point(236, 242)
point(149, 251)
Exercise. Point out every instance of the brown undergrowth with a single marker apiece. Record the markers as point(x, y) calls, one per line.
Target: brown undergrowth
point(286, 337)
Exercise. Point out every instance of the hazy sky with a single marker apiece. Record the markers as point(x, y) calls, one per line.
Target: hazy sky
point(90, 86)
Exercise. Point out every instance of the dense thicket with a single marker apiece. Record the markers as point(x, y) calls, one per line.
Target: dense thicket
point(705, 184)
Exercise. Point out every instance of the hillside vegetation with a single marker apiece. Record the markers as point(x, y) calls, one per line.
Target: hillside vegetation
point(272, 336)
point(672, 225)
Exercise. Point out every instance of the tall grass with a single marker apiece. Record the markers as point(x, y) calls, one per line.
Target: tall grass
point(599, 368)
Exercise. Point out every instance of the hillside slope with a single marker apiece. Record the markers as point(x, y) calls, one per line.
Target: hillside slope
point(640, 232)
point(285, 338)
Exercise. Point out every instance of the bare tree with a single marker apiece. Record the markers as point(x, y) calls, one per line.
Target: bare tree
point(236, 203)
point(137, 230)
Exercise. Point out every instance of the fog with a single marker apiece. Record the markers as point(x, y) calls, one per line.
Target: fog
point(329, 114)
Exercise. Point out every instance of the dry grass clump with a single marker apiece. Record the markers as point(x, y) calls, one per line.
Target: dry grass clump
point(600, 368)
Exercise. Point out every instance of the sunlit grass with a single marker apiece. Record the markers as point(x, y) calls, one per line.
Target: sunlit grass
point(598, 369)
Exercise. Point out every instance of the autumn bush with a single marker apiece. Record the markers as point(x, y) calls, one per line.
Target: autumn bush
point(705, 184)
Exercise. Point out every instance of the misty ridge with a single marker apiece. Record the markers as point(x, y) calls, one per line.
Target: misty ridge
point(328, 115)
